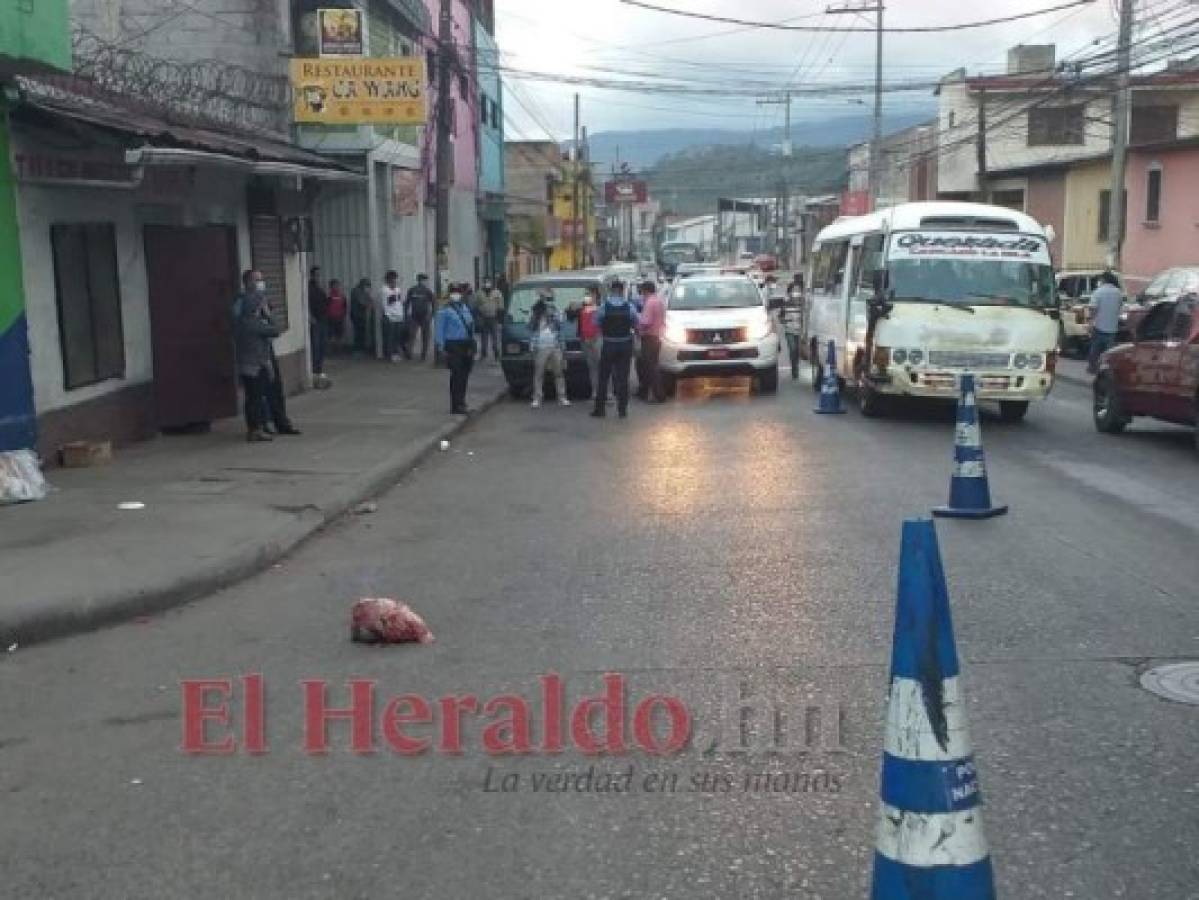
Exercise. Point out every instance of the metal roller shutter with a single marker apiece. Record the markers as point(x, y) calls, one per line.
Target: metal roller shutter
point(266, 246)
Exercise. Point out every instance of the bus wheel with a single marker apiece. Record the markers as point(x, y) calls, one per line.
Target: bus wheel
point(1013, 410)
point(870, 401)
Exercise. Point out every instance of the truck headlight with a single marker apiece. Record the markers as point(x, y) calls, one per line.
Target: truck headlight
point(759, 330)
point(1021, 361)
point(1035, 361)
point(916, 357)
point(899, 356)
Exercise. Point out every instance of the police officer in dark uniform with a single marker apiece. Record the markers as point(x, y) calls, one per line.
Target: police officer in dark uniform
point(617, 320)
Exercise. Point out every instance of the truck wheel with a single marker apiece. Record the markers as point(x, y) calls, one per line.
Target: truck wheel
point(768, 382)
point(1013, 410)
point(1110, 417)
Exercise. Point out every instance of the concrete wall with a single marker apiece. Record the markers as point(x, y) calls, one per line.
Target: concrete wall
point(1045, 201)
point(250, 34)
point(1149, 247)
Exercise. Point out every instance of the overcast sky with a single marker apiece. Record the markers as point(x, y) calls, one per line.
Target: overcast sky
point(602, 38)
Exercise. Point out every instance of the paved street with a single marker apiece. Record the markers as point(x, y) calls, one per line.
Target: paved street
point(720, 544)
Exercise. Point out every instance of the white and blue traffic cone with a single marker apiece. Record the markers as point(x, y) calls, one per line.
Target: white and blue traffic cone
point(930, 836)
point(969, 490)
point(830, 388)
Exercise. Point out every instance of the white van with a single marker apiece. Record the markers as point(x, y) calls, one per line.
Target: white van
point(915, 295)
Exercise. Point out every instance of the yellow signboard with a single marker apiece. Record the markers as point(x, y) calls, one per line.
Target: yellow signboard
point(360, 91)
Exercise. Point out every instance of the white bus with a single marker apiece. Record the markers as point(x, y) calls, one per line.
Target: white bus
point(915, 295)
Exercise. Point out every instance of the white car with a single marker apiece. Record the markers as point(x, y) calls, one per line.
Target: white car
point(719, 325)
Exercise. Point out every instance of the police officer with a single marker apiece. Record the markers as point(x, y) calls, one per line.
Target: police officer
point(617, 320)
point(455, 329)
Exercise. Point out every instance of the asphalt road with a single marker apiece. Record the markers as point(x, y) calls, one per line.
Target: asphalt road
point(720, 546)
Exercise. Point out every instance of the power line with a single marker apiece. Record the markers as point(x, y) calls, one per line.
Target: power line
point(911, 29)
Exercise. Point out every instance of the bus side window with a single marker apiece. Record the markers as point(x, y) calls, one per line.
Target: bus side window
point(870, 260)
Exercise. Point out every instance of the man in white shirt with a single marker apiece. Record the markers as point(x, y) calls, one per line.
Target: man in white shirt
point(1106, 304)
point(395, 339)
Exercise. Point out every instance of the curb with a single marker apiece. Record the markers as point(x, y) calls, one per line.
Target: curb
point(49, 623)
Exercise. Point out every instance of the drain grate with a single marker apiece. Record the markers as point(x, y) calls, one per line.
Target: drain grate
point(1178, 682)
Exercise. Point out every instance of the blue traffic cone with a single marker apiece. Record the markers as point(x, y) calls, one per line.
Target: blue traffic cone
point(830, 388)
point(930, 837)
point(969, 491)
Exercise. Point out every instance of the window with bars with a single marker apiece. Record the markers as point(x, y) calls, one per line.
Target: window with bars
point(1051, 126)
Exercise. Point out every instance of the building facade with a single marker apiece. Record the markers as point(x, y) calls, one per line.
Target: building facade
point(492, 181)
point(533, 171)
point(993, 130)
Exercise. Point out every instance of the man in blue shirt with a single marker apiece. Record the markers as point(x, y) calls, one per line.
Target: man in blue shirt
point(617, 320)
point(455, 330)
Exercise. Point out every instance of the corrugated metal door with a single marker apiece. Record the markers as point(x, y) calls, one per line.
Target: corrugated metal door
point(266, 249)
point(192, 274)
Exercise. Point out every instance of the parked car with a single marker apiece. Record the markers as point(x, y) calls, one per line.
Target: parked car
point(1168, 285)
point(1074, 291)
point(516, 359)
point(766, 262)
point(1156, 374)
point(719, 325)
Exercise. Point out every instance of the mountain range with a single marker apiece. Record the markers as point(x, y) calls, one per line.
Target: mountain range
point(642, 149)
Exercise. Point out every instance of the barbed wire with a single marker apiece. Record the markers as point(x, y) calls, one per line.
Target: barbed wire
point(207, 88)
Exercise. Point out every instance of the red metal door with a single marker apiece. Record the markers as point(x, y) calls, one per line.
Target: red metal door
point(192, 274)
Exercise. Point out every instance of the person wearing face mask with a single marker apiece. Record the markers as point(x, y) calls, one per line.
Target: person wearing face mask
point(455, 334)
point(254, 332)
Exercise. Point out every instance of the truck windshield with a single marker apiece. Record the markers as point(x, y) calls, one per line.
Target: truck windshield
point(980, 270)
point(523, 298)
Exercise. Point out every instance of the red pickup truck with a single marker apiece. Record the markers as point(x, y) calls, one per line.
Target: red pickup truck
point(1155, 375)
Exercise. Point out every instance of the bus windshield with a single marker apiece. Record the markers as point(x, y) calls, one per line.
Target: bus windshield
point(679, 253)
point(971, 269)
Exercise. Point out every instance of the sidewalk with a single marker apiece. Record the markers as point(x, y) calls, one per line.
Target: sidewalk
point(216, 508)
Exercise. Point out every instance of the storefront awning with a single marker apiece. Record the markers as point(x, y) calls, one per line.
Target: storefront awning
point(165, 137)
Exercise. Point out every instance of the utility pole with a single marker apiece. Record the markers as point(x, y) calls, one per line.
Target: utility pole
point(876, 141)
point(587, 200)
point(445, 159)
point(574, 209)
point(1115, 205)
point(780, 230)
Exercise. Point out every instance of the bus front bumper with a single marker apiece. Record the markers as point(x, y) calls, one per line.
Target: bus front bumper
point(1003, 384)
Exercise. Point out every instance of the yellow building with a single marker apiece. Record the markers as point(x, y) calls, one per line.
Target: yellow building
point(577, 244)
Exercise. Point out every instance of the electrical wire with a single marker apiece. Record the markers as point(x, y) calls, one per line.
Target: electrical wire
point(912, 29)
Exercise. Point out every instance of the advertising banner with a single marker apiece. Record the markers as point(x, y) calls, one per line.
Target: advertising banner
point(969, 245)
point(360, 92)
point(341, 32)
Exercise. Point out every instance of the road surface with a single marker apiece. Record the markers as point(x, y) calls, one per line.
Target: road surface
point(725, 550)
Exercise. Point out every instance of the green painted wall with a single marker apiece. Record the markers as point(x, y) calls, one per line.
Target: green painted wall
point(36, 29)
